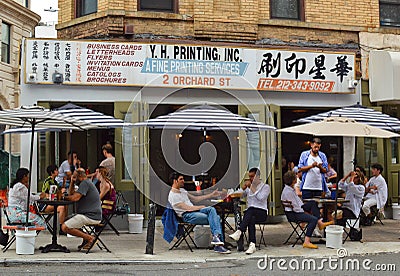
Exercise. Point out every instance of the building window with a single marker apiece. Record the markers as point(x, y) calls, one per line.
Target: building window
point(287, 9)
point(5, 42)
point(85, 7)
point(389, 13)
point(158, 5)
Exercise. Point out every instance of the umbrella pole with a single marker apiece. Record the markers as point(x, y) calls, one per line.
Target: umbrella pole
point(337, 178)
point(30, 172)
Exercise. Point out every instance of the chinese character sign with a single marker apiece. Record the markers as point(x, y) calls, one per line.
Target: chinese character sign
point(168, 65)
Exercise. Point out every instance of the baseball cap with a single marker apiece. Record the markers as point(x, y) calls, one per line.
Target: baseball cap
point(316, 140)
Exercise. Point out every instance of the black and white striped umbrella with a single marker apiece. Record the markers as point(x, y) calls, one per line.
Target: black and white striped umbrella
point(92, 119)
point(204, 118)
point(359, 113)
point(32, 117)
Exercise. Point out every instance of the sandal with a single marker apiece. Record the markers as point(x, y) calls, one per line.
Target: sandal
point(82, 244)
point(89, 245)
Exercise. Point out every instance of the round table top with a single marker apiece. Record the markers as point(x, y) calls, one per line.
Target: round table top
point(55, 202)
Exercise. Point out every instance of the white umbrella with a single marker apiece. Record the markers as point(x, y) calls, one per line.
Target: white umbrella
point(33, 117)
point(340, 126)
point(204, 117)
point(359, 113)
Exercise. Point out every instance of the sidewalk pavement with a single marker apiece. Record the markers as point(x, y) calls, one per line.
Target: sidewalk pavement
point(130, 248)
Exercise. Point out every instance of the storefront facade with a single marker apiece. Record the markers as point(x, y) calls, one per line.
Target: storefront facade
point(146, 80)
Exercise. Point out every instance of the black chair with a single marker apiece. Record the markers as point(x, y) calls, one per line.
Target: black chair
point(46, 217)
point(376, 214)
point(97, 229)
point(121, 209)
point(12, 237)
point(184, 234)
point(351, 224)
point(298, 230)
point(261, 226)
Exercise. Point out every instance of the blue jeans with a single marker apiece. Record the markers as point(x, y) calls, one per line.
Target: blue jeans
point(205, 216)
point(303, 217)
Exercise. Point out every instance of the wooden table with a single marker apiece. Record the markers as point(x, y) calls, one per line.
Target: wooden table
point(326, 201)
point(54, 246)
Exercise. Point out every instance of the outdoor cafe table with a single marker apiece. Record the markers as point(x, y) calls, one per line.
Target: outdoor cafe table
point(224, 209)
point(325, 202)
point(54, 246)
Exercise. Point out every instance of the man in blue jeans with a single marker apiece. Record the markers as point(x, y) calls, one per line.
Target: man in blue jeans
point(180, 201)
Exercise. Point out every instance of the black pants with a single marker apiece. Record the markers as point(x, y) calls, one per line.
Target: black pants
point(312, 208)
point(307, 194)
point(251, 216)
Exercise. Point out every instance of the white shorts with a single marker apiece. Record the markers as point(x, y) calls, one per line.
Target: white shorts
point(79, 220)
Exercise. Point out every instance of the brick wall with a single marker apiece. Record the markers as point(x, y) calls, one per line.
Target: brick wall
point(247, 20)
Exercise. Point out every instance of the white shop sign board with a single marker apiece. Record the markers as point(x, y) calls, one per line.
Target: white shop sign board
point(187, 65)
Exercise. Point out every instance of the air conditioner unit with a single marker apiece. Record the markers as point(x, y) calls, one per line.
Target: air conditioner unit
point(129, 29)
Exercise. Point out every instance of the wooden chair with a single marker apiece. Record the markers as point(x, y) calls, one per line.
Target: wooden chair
point(97, 229)
point(298, 230)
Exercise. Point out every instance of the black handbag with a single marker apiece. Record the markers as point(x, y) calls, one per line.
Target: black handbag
point(3, 238)
point(122, 205)
point(355, 234)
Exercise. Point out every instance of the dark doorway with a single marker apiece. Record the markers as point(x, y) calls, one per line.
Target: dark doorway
point(293, 144)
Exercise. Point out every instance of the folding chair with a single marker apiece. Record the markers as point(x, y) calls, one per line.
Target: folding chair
point(352, 224)
point(295, 224)
point(184, 230)
point(97, 229)
point(376, 214)
point(46, 217)
point(261, 226)
point(12, 237)
point(121, 208)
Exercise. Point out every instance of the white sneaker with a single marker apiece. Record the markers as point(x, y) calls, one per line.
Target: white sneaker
point(236, 236)
point(251, 249)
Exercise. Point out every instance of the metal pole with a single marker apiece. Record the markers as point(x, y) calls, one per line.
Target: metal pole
point(9, 162)
point(151, 228)
point(30, 172)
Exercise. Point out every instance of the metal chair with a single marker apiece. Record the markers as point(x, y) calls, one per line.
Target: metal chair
point(97, 229)
point(261, 226)
point(351, 225)
point(295, 224)
point(183, 235)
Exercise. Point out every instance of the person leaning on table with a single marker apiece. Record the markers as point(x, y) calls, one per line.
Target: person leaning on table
point(88, 207)
point(17, 199)
point(181, 201)
point(297, 213)
point(257, 194)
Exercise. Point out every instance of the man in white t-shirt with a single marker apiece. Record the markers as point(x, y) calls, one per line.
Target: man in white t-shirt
point(180, 201)
point(376, 192)
point(109, 162)
point(65, 169)
point(313, 165)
